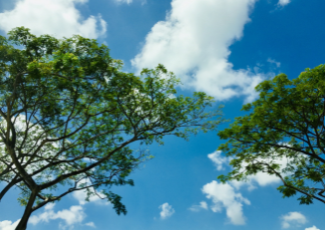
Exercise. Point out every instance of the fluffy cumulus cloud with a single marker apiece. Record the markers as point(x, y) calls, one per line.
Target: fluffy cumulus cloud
point(312, 228)
point(166, 211)
point(201, 206)
point(224, 196)
point(227, 196)
point(283, 2)
point(8, 225)
point(260, 179)
point(71, 216)
point(293, 218)
point(194, 41)
point(59, 18)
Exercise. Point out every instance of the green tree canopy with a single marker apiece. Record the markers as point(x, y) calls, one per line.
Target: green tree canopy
point(68, 115)
point(285, 122)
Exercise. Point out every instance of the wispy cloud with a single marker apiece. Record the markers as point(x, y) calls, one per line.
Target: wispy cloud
point(124, 1)
point(293, 218)
point(166, 211)
point(91, 224)
point(58, 18)
point(272, 61)
point(201, 206)
point(283, 2)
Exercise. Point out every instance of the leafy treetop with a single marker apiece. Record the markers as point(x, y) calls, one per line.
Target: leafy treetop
point(286, 122)
point(68, 115)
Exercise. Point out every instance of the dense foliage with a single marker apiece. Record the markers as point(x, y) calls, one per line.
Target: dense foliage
point(68, 115)
point(283, 134)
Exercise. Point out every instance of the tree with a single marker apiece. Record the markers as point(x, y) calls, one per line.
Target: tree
point(286, 122)
point(69, 116)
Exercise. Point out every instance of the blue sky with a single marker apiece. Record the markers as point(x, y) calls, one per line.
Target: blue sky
point(221, 47)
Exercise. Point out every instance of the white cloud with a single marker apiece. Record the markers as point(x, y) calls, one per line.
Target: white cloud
point(284, 2)
point(224, 196)
point(312, 228)
point(166, 211)
point(218, 160)
point(8, 225)
point(260, 178)
point(58, 18)
point(197, 208)
point(194, 41)
point(72, 216)
point(81, 195)
point(272, 61)
point(264, 179)
point(293, 218)
point(91, 224)
point(124, 1)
